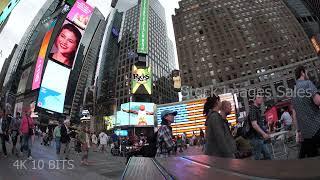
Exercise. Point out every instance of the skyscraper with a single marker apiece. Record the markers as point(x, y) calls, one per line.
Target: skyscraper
point(157, 57)
point(314, 5)
point(306, 17)
point(234, 44)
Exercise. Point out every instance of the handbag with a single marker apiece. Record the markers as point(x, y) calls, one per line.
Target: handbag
point(30, 129)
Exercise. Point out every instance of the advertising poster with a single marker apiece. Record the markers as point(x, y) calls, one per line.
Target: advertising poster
point(143, 27)
point(66, 44)
point(40, 61)
point(141, 80)
point(23, 81)
point(53, 87)
point(121, 132)
point(136, 113)
point(80, 13)
point(176, 80)
point(109, 121)
point(6, 6)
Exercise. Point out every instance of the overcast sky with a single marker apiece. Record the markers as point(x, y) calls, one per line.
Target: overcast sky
point(26, 10)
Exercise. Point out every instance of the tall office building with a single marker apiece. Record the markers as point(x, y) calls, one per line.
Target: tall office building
point(106, 86)
point(5, 67)
point(236, 44)
point(28, 76)
point(157, 57)
point(306, 17)
point(46, 10)
point(314, 5)
point(171, 56)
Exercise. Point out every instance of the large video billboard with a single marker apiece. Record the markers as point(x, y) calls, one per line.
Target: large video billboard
point(6, 7)
point(80, 13)
point(53, 87)
point(136, 113)
point(109, 121)
point(141, 80)
point(23, 81)
point(41, 57)
point(190, 116)
point(66, 44)
point(143, 27)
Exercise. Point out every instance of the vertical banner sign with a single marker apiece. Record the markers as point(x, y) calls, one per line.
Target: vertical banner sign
point(80, 13)
point(40, 61)
point(141, 80)
point(143, 27)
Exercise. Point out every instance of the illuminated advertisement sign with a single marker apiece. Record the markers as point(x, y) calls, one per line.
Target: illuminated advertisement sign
point(109, 121)
point(316, 43)
point(141, 80)
point(143, 27)
point(41, 57)
point(53, 87)
point(6, 7)
point(66, 44)
point(190, 116)
point(136, 113)
point(121, 132)
point(176, 80)
point(80, 13)
point(23, 80)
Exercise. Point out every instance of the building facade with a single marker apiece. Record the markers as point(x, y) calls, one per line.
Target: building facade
point(157, 58)
point(240, 44)
point(314, 5)
point(306, 17)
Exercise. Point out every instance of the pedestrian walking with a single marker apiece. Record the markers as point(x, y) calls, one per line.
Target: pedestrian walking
point(84, 139)
point(306, 114)
point(164, 135)
point(65, 138)
point(219, 139)
point(57, 137)
point(94, 141)
point(103, 141)
point(14, 126)
point(4, 131)
point(258, 131)
point(27, 131)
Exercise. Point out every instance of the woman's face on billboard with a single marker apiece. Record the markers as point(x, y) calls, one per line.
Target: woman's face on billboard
point(66, 42)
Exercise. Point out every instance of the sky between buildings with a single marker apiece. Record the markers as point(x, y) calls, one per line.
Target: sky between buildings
point(26, 10)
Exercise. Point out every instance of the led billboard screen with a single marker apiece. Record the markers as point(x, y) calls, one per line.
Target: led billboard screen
point(141, 80)
point(136, 113)
point(41, 57)
point(53, 87)
point(121, 132)
point(190, 116)
point(6, 6)
point(23, 80)
point(143, 27)
point(80, 13)
point(109, 121)
point(66, 44)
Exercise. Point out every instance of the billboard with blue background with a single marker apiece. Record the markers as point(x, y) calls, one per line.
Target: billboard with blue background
point(136, 113)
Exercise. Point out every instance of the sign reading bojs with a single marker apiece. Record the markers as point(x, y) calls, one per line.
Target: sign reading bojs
point(141, 80)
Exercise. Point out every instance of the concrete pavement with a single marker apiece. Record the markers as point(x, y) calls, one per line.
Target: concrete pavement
point(46, 165)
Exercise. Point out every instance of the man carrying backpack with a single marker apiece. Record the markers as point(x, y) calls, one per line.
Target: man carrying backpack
point(164, 137)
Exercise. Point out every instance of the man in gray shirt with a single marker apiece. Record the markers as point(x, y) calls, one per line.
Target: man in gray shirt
point(306, 114)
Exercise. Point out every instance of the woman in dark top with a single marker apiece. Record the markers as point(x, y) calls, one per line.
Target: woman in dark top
point(219, 141)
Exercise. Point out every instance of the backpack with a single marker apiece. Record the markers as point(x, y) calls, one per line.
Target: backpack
point(246, 128)
point(153, 144)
